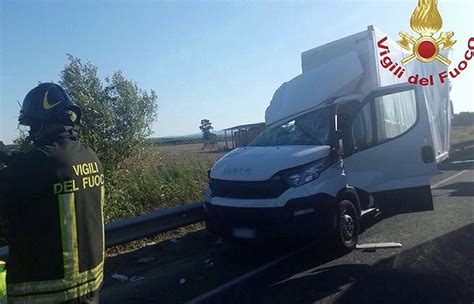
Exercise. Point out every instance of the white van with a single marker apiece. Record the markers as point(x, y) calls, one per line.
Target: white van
point(343, 139)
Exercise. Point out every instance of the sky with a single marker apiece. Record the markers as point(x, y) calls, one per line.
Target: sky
point(205, 59)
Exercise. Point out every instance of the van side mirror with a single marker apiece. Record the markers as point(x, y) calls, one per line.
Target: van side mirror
point(340, 143)
point(340, 147)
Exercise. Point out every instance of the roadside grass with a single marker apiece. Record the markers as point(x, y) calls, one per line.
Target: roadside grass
point(160, 177)
point(462, 133)
point(157, 178)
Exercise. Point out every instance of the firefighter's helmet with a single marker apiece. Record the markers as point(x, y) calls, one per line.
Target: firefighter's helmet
point(49, 103)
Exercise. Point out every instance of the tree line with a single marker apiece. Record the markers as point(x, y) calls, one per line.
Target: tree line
point(463, 119)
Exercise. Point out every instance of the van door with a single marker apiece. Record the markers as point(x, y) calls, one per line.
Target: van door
point(393, 158)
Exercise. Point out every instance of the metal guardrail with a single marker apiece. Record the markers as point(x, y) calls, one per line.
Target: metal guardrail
point(137, 227)
point(142, 226)
point(462, 144)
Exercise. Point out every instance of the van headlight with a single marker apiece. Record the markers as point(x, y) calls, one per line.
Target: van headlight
point(301, 175)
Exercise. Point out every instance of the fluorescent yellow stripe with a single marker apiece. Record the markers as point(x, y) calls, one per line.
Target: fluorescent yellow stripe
point(51, 285)
point(69, 235)
point(75, 247)
point(55, 297)
point(67, 213)
point(72, 277)
point(102, 202)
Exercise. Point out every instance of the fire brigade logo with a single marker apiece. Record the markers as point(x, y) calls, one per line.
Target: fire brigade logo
point(426, 21)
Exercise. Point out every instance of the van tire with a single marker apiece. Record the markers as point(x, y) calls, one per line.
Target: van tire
point(346, 233)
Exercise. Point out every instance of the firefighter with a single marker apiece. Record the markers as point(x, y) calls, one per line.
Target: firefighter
point(52, 198)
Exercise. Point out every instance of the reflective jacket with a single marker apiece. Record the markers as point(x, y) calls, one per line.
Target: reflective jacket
point(52, 199)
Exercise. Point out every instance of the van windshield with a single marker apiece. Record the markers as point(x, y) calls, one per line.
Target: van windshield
point(312, 128)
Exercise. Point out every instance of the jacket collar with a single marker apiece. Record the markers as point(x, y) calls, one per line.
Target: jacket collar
point(61, 133)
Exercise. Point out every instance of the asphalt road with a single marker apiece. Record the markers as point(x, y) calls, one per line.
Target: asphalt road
point(435, 264)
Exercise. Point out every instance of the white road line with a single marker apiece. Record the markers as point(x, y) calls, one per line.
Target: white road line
point(237, 280)
point(450, 178)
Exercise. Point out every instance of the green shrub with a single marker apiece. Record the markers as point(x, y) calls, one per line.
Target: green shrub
point(117, 115)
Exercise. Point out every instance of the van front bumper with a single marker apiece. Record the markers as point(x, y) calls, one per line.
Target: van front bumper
point(300, 217)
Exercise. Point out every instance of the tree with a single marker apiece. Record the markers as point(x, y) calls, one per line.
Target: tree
point(23, 142)
point(206, 127)
point(463, 119)
point(116, 114)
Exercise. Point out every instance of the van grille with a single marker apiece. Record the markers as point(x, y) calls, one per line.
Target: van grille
point(248, 190)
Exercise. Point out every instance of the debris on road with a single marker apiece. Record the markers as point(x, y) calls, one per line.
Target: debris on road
point(375, 246)
point(208, 263)
point(119, 277)
point(182, 281)
point(136, 279)
point(145, 260)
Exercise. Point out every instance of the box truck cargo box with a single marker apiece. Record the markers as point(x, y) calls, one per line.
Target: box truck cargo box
point(346, 138)
point(351, 65)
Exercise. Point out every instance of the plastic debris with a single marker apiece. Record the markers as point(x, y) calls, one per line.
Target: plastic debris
point(119, 277)
point(150, 243)
point(145, 260)
point(173, 240)
point(375, 246)
point(208, 263)
point(182, 281)
point(136, 279)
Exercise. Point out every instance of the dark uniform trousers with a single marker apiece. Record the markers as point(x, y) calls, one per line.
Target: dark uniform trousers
point(52, 199)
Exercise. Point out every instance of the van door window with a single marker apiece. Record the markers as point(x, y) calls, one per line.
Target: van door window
point(362, 131)
point(395, 114)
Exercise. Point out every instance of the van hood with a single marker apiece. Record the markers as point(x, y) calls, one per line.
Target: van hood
point(261, 163)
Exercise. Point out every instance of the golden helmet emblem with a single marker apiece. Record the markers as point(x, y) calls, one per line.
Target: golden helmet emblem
point(426, 21)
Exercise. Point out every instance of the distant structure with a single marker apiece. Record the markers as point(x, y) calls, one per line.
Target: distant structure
point(209, 141)
point(242, 135)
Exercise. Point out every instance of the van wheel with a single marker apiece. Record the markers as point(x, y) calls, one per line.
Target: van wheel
point(347, 228)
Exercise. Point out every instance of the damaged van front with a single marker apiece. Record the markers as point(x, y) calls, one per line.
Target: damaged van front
point(272, 187)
